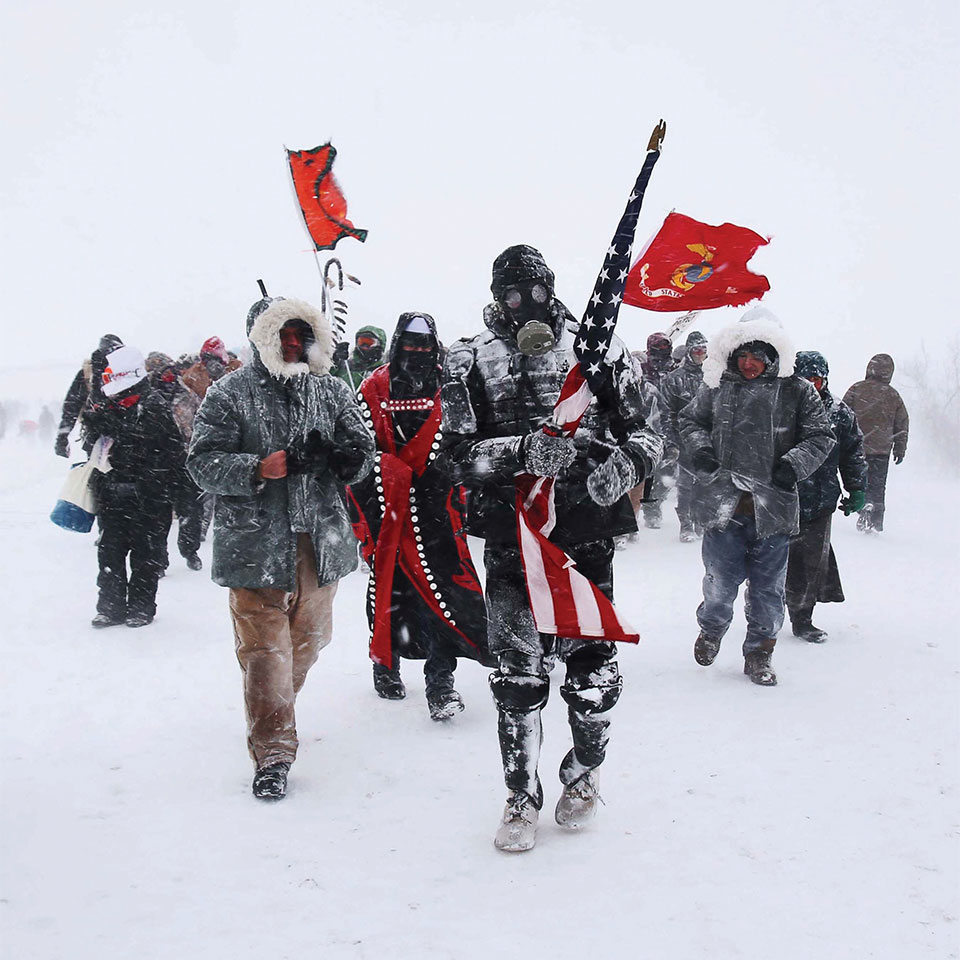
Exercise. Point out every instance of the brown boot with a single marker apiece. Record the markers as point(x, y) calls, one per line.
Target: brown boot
point(757, 667)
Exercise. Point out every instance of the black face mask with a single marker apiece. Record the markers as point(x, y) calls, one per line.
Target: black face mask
point(526, 305)
point(371, 353)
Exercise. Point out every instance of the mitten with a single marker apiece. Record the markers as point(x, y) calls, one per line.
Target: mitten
point(545, 455)
point(853, 503)
point(784, 476)
point(612, 479)
point(704, 461)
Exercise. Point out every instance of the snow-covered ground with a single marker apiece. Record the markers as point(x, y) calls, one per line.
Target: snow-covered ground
point(814, 820)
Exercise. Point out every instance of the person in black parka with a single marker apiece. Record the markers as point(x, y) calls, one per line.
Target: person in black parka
point(85, 390)
point(812, 574)
point(134, 495)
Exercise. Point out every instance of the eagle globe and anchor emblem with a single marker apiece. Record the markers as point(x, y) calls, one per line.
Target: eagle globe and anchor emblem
point(685, 277)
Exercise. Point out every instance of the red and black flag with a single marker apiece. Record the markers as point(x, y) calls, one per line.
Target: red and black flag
point(321, 201)
point(690, 265)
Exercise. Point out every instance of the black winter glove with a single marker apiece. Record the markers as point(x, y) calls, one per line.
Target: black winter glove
point(61, 446)
point(898, 458)
point(704, 461)
point(341, 352)
point(309, 455)
point(784, 476)
point(545, 455)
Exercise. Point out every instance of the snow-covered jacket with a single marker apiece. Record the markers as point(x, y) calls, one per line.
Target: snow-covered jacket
point(820, 491)
point(493, 396)
point(677, 389)
point(265, 406)
point(146, 456)
point(750, 425)
point(880, 410)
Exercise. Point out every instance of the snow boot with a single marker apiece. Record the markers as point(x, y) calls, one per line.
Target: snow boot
point(757, 667)
point(578, 802)
point(387, 683)
point(138, 619)
point(705, 650)
point(106, 620)
point(652, 516)
point(444, 705)
point(687, 534)
point(805, 630)
point(518, 828)
point(193, 562)
point(270, 782)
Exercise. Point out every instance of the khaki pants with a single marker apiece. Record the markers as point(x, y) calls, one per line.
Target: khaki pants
point(278, 637)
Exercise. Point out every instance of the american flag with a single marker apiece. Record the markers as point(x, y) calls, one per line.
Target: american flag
point(563, 601)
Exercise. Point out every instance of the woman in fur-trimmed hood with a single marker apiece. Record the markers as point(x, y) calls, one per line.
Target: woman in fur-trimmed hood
point(753, 430)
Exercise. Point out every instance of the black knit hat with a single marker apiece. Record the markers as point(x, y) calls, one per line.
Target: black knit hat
point(810, 363)
point(517, 263)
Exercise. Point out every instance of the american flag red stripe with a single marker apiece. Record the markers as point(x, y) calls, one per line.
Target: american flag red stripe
point(563, 601)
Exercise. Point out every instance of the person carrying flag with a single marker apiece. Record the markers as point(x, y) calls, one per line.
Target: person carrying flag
point(424, 600)
point(499, 390)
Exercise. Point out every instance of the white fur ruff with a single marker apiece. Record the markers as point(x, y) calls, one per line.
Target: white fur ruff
point(756, 324)
point(265, 336)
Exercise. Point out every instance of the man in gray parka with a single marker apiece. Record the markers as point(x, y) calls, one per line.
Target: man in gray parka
point(277, 441)
point(753, 430)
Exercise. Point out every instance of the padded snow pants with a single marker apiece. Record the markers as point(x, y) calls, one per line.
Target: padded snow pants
point(876, 492)
point(278, 637)
point(735, 554)
point(521, 683)
point(127, 529)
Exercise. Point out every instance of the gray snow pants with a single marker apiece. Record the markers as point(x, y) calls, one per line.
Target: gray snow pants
point(521, 683)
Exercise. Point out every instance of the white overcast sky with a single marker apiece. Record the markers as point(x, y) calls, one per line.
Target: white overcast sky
point(144, 188)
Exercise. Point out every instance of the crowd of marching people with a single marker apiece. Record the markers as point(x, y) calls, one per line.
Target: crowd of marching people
point(313, 455)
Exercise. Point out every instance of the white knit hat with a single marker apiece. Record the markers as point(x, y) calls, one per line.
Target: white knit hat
point(125, 368)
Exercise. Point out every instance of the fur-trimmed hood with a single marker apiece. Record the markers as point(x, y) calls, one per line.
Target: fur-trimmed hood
point(264, 321)
point(756, 324)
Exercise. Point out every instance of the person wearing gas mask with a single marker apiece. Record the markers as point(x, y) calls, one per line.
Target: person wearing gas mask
point(353, 368)
point(499, 389)
point(424, 599)
point(677, 389)
point(277, 442)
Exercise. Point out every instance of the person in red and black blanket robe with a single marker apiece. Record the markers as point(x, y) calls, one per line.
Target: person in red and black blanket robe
point(424, 600)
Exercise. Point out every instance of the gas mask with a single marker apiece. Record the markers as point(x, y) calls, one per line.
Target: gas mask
point(526, 305)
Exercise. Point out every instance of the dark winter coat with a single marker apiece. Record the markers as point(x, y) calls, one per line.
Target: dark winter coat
point(360, 366)
point(146, 455)
point(86, 388)
point(750, 425)
point(265, 406)
point(408, 514)
point(677, 389)
point(879, 410)
point(493, 396)
point(820, 492)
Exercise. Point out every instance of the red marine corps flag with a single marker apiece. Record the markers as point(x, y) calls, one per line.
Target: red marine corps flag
point(694, 266)
point(322, 204)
